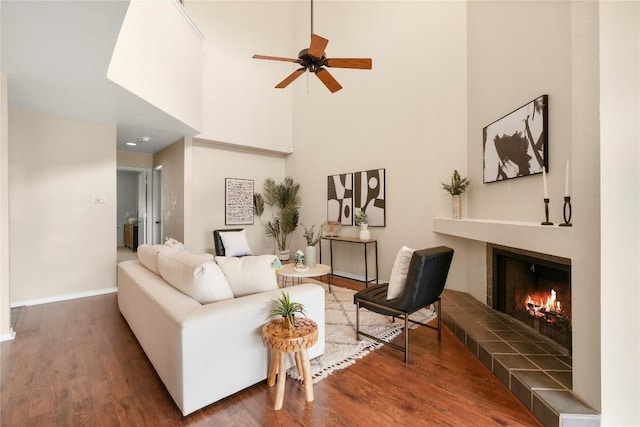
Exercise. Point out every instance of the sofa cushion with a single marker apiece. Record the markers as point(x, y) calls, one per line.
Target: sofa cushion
point(148, 255)
point(250, 274)
point(235, 243)
point(399, 273)
point(195, 275)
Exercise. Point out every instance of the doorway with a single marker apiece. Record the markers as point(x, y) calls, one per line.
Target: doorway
point(134, 200)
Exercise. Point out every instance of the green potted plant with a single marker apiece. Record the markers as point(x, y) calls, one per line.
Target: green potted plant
point(312, 240)
point(287, 309)
point(361, 219)
point(284, 204)
point(457, 186)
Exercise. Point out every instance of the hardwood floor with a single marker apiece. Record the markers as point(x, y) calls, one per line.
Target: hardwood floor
point(78, 363)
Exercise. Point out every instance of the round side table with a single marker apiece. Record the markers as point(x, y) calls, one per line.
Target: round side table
point(280, 341)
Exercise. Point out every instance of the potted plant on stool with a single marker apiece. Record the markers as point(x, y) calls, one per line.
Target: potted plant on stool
point(287, 309)
point(457, 186)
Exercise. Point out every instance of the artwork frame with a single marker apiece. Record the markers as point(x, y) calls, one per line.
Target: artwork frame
point(238, 201)
point(369, 188)
point(340, 198)
point(517, 144)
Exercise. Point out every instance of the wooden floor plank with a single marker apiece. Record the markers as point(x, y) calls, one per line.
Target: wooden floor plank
point(78, 363)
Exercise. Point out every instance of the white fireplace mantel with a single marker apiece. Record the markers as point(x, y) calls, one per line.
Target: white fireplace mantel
point(547, 239)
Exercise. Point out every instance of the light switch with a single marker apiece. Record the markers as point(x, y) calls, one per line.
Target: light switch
point(98, 199)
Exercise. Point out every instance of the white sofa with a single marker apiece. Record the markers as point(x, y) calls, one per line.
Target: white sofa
point(204, 352)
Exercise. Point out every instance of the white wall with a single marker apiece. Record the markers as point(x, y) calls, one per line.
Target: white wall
point(620, 195)
point(172, 160)
point(407, 115)
point(5, 294)
point(158, 57)
point(211, 164)
point(132, 159)
point(512, 59)
point(61, 243)
point(239, 102)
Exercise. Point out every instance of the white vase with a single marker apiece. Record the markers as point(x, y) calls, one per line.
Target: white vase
point(310, 256)
point(284, 255)
point(365, 234)
point(456, 203)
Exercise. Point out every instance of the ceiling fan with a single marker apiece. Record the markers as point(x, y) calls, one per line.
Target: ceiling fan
point(315, 60)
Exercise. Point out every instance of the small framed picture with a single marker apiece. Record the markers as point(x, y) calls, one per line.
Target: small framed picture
point(238, 201)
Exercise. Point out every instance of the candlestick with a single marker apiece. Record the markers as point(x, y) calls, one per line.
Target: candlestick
point(566, 180)
point(544, 183)
point(567, 216)
point(546, 212)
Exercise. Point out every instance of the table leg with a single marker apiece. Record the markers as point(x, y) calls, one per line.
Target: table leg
point(273, 369)
point(329, 282)
point(308, 382)
point(282, 375)
point(299, 363)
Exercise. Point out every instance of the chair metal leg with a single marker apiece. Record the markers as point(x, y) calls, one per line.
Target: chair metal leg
point(406, 338)
point(358, 320)
point(439, 320)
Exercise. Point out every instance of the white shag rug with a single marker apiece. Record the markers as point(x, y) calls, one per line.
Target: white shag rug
point(341, 346)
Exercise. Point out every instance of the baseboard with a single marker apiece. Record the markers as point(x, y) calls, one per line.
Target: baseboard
point(65, 297)
point(354, 276)
point(8, 337)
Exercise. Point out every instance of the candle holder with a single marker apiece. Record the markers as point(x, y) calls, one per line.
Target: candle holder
point(546, 213)
point(567, 217)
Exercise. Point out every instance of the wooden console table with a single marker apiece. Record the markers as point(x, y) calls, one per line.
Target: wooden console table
point(131, 236)
point(352, 240)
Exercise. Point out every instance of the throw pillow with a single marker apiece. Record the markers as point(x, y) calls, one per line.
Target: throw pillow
point(173, 243)
point(399, 273)
point(250, 274)
point(235, 243)
point(195, 275)
point(148, 256)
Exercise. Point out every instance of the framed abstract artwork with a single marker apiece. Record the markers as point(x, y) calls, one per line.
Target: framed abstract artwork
point(369, 195)
point(517, 144)
point(340, 198)
point(238, 201)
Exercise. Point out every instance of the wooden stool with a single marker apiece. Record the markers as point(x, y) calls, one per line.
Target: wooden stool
point(280, 341)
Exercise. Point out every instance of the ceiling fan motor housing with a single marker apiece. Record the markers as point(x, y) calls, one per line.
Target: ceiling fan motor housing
point(309, 61)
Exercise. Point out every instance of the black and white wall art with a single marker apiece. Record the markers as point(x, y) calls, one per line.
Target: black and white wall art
point(369, 195)
point(340, 198)
point(238, 201)
point(517, 144)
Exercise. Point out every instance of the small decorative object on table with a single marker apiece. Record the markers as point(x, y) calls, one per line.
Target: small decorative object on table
point(131, 217)
point(361, 220)
point(332, 228)
point(312, 241)
point(567, 199)
point(457, 186)
point(299, 261)
point(287, 309)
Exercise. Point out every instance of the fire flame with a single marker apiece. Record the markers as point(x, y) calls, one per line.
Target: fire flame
point(540, 305)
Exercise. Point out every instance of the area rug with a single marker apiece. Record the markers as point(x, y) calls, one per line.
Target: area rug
point(342, 349)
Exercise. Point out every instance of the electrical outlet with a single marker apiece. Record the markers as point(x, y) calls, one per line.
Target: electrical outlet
point(98, 199)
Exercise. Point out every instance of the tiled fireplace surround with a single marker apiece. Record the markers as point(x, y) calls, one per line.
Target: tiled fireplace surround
point(536, 370)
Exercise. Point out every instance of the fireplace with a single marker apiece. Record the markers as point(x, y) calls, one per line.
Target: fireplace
point(534, 289)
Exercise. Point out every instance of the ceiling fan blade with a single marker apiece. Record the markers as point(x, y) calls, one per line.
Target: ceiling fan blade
point(286, 82)
point(328, 80)
point(275, 58)
point(318, 45)
point(359, 63)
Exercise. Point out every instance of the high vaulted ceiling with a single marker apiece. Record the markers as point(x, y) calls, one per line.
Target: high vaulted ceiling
point(56, 55)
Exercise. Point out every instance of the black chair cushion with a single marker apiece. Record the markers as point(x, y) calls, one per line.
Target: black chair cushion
point(426, 279)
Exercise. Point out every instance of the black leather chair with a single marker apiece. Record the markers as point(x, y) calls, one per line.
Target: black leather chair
point(428, 270)
point(217, 240)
